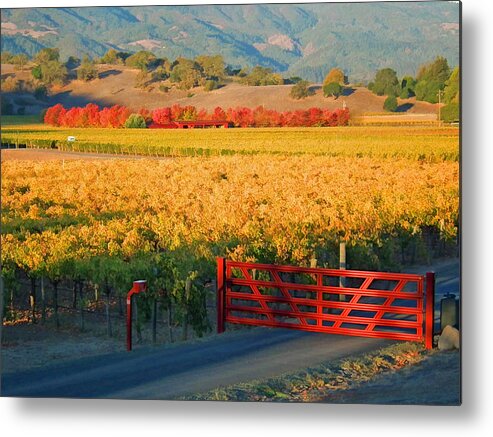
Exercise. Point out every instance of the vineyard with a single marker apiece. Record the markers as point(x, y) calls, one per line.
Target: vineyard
point(94, 226)
point(429, 144)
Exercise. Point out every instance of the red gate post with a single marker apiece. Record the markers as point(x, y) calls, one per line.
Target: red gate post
point(221, 291)
point(430, 309)
point(139, 286)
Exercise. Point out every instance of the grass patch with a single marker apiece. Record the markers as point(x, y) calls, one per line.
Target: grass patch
point(315, 384)
point(19, 120)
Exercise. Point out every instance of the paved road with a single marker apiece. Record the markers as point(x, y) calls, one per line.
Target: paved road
point(447, 280)
point(169, 372)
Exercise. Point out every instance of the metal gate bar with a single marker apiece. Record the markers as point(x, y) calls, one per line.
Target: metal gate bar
point(370, 304)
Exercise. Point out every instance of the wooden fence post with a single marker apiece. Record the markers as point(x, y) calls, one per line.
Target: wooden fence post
point(221, 291)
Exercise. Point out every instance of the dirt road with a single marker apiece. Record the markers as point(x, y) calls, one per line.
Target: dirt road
point(56, 155)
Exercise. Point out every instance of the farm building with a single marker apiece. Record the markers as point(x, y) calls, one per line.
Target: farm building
point(197, 124)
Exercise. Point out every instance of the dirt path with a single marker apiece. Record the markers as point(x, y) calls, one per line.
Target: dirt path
point(56, 155)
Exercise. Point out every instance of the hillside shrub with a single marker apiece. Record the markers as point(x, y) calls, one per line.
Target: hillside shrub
point(211, 85)
point(301, 90)
point(87, 70)
point(390, 104)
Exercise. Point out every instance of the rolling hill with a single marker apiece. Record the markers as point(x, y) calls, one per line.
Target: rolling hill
point(295, 39)
point(115, 85)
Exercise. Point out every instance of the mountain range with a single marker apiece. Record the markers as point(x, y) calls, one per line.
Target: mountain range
point(295, 39)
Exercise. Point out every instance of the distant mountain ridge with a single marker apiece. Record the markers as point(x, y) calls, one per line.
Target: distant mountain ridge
point(294, 39)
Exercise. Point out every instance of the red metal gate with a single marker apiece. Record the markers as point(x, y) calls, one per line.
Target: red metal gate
point(349, 302)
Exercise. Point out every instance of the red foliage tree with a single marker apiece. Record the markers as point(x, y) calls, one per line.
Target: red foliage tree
point(91, 115)
point(116, 116)
point(176, 112)
point(219, 114)
point(161, 115)
point(52, 115)
point(73, 117)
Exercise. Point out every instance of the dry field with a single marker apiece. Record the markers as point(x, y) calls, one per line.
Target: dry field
point(116, 85)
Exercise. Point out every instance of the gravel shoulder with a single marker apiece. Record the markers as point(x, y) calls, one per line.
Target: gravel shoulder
point(25, 346)
point(436, 380)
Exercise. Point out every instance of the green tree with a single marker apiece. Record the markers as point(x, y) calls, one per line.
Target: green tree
point(386, 83)
point(450, 112)
point(427, 90)
point(36, 72)
point(187, 73)
point(160, 73)
point(451, 91)
point(212, 66)
point(48, 67)
point(438, 70)
point(46, 55)
point(110, 57)
point(141, 60)
point(390, 104)
point(333, 89)
point(87, 70)
point(431, 79)
point(261, 76)
point(114, 57)
point(53, 72)
point(135, 121)
point(408, 83)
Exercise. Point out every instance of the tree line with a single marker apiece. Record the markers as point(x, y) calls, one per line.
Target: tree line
point(434, 82)
point(119, 116)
